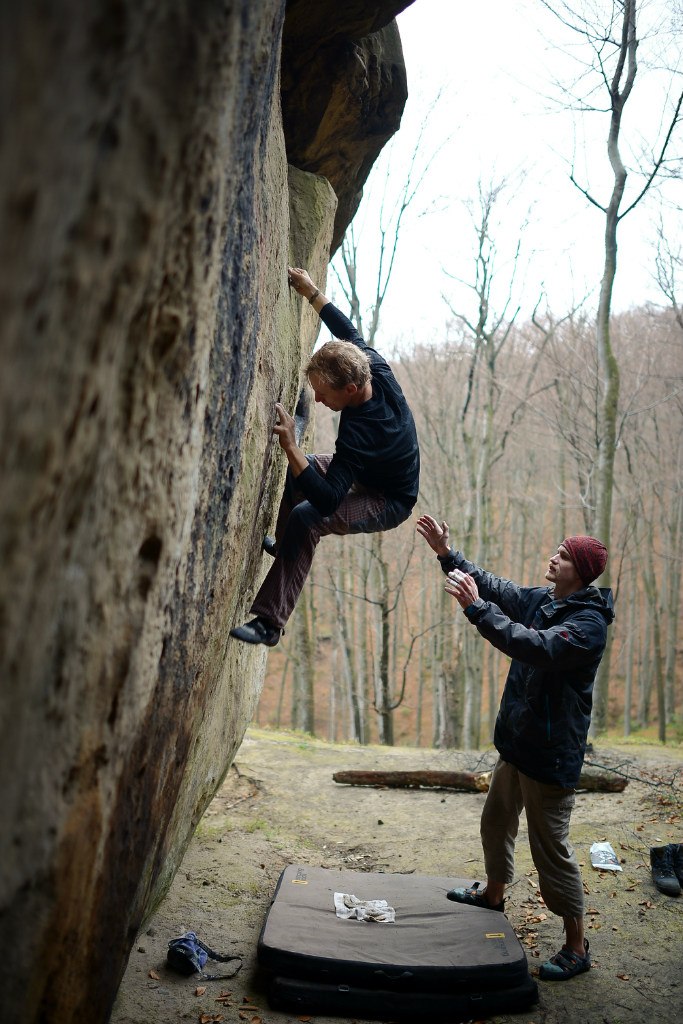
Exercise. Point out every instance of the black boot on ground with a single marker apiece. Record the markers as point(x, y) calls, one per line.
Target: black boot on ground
point(678, 861)
point(663, 874)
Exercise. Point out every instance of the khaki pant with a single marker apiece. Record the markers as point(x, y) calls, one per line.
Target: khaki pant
point(548, 810)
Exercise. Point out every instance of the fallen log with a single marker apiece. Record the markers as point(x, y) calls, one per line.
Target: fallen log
point(602, 781)
point(470, 782)
point(477, 782)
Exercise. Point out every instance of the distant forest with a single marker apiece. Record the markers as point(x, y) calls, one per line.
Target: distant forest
point(508, 420)
point(529, 432)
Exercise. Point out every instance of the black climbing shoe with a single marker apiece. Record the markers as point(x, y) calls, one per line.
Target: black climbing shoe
point(269, 546)
point(663, 873)
point(258, 631)
point(472, 897)
point(566, 964)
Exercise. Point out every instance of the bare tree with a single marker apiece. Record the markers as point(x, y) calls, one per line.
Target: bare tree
point(378, 591)
point(612, 69)
point(387, 232)
point(491, 406)
point(303, 689)
point(669, 271)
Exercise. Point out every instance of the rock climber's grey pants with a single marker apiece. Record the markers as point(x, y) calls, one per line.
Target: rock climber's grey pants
point(548, 810)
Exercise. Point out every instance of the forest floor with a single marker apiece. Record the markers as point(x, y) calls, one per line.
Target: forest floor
point(280, 805)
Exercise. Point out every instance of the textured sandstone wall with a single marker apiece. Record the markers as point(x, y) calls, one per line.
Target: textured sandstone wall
point(146, 331)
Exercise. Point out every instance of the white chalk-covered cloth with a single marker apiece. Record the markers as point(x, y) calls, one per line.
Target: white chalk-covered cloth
point(348, 906)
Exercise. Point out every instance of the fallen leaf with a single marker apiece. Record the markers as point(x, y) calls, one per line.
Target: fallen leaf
point(624, 977)
point(211, 1018)
point(200, 990)
point(153, 974)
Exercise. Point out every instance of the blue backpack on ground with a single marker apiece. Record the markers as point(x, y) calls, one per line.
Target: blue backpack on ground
point(188, 955)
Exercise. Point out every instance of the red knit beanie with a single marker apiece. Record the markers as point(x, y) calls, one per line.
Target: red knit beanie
point(588, 554)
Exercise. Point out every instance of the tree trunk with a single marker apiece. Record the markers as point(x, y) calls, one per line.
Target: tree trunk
point(303, 697)
point(608, 368)
point(422, 660)
point(655, 590)
point(652, 593)
point(645, 673)
point(281, 692)
point(355, 730)
point(630, 655)
point(477, 782)
point(673, 605)
point(383, 701)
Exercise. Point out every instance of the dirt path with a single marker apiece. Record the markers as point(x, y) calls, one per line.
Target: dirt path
point(279, 805)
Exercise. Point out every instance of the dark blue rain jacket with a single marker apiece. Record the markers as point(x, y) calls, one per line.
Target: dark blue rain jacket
point(556, 647)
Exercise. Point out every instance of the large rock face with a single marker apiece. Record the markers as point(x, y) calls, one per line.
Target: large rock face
point(147, 217)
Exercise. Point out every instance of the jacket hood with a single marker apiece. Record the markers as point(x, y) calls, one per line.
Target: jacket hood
point(600, 599)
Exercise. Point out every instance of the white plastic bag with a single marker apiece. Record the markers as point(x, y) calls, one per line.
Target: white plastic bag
point(604, 858)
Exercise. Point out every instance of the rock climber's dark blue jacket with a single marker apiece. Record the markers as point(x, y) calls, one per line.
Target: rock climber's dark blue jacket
point(556, 647)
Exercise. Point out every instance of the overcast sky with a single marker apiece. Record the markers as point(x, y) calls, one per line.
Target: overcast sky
point(495, 66)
